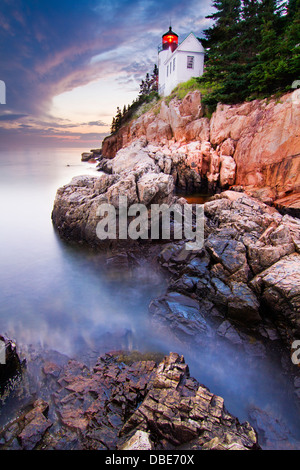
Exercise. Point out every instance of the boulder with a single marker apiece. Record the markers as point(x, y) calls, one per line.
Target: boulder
point(86, 156)
point(254, 145)
point(129, 157)
point(10, 363)
point(279, 287)
point(243, 305)
point(227, 171)
point(155, 187)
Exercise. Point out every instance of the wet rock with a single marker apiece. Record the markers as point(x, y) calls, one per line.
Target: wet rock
point(279, 287)
point(275, 434)
point(178, 411)
point(126, 402)
point(36, 425)
point(243, 305)
point(227, 330)
point(10, 363)
point(181, 314)
point(243, 237)
point(29, 429)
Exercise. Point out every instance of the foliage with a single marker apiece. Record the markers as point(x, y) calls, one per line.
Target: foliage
point(148, 93)
point(182, 89)
point(253, 49)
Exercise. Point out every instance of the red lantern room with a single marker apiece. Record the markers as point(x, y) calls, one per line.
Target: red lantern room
point(170, 40)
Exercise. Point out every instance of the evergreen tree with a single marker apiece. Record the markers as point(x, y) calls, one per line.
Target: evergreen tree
point(221, 68)
point(244, 50)
point(278, 59)
point(154, 79)
point(113, 126)
point(253, 49)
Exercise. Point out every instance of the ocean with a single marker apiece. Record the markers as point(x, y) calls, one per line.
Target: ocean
point(56, 296)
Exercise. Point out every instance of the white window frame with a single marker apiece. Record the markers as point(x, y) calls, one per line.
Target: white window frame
point(190, 62)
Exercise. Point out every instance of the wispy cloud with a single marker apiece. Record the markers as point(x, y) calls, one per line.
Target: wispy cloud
point(11, 117)
point(51, 47)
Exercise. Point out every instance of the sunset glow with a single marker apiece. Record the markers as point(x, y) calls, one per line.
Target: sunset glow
point(68, 65)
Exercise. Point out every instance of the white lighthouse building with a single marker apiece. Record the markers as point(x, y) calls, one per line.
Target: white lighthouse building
point(178, 63)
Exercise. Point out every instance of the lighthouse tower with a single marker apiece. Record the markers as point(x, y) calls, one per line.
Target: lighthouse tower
point(178, 63)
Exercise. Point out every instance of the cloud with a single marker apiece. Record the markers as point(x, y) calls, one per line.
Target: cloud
point(54, 46)
point(12, 117)
point(97, 123)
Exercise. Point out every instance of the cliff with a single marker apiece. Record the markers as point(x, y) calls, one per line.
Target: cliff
point(254, 145)
point(242, 287)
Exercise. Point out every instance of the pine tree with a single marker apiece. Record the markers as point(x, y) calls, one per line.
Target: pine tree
point(221, 68)
point(253, 49)
point(278, 58)
point(244, 46)
point(291, 42)
point(113, 126)
point(154, 79)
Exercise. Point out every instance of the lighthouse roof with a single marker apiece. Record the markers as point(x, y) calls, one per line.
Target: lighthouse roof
point(170, 32)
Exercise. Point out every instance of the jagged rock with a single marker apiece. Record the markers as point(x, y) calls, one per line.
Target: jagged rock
point(36, 425)
point(243, 238)
point(124, 187)
point(139, 441)
point(279, 287)
point(243, 305)
point(10, 363)
point(125, 402)
point(179, 411)
point(181, 314)
point(151, 187)
point(264, 152)
point(29, 429)
point(127, 158)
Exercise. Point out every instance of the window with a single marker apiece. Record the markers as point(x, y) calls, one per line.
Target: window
point(173, 64)
point(167, 70)
point(190, 61)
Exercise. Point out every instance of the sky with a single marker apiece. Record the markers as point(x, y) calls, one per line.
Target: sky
point(68, 64)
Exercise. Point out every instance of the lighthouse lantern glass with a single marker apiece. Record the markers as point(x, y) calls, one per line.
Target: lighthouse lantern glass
point(170, 39)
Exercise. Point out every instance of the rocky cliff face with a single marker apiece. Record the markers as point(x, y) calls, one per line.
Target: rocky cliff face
point(255, 145)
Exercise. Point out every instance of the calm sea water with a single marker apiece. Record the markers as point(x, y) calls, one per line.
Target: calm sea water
point(51, 294)
point(60, 298)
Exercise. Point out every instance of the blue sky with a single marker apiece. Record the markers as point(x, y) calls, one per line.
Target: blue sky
point(68, 64)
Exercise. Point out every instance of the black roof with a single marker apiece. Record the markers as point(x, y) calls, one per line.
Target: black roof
point(170, 32)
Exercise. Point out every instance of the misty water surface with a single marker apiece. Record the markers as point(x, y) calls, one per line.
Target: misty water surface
point(60, 297)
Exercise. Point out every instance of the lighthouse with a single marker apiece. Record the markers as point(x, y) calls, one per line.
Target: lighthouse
point(170, 40)
point(178, 63)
